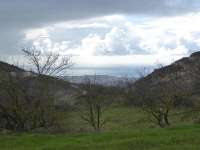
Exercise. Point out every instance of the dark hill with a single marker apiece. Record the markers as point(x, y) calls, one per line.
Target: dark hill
point(182, 75)
point(9, 68)
point(63, 90)
point(186, 70)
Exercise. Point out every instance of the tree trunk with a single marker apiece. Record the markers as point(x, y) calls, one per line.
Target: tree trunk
point(166, 114)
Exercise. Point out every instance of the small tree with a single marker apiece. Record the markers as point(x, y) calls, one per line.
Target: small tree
point(158, 95)
point(132, 91)
point(27, 102)
point(46, 64)
point(93, 101)
point(21, 109)
point(158, 105)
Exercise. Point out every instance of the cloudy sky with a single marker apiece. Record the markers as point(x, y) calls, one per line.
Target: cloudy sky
point(102, 33)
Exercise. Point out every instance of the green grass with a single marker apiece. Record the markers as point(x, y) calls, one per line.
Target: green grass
point(128, 129)
point(179, 138)
point(121, 119)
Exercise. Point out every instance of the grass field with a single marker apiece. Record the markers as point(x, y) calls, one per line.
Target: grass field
point(123, 118)
point(179, 138)
point(128, 129)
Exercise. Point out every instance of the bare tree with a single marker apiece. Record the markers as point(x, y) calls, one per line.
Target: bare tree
point(93, 101)
point(52, 64)
point(21, 109)
point(28, 102)
point(158, 95)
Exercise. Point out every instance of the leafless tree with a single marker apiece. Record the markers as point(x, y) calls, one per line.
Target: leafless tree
point(21, 109)
point(158, 95)
point(27, 102)
point(49, 63)
point(130, 93)
point(94, 99)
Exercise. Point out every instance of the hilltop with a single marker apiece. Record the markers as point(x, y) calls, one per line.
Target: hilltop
point(182, 75)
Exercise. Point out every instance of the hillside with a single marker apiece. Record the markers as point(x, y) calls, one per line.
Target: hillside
point(185, 72)
point(58, 87)
point(9, 68)
point(181, 80)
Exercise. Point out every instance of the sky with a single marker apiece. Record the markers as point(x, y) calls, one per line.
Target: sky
point(102, 33)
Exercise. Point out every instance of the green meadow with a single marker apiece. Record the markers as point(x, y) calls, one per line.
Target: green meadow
point(127, 129)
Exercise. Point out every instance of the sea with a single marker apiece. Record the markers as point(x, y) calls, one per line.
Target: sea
point(135, 71)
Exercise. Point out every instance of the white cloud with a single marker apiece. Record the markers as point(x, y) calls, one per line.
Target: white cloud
point(121, 37)
point(34, 34)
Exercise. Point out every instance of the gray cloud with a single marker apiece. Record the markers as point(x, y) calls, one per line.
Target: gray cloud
point(18, 15)
point(36, 12)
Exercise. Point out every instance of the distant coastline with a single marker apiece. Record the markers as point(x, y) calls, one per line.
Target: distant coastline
point(111, 71)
